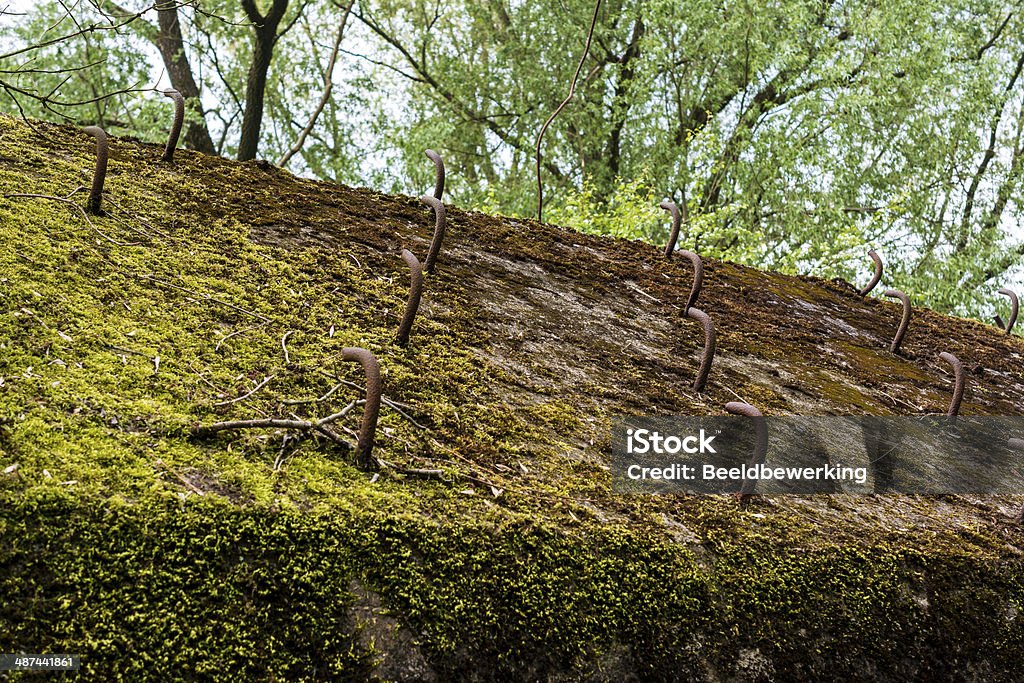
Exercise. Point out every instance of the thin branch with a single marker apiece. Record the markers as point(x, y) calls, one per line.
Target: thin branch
point(572, 91)
point(321, 425)
point(92, 28)
point(207, 297)
point(236, 333)
point(268, 423)
point(389, 403)
point(325, 97)
point(250, 393)
point(77, 208)
point(284, 346)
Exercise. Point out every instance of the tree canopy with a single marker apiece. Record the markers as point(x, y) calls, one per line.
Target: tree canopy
point(797, 133)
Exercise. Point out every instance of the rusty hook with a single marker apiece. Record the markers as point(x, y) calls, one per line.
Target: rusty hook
point(95, 205)
point(876, 278)
point(440, 224)
point(368, 428)
point(901, 331)
point(415, 291)
point(179, 118)
point(709, 346)
point(438, 172)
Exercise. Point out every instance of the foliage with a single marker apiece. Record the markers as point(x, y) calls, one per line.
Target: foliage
point(631, 212)
point(799, 132)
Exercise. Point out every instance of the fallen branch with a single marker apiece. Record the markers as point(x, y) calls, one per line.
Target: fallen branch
point(395, 406)
point(284, 346)
point(321, 425)
point(245, 396)
point(295, 402)
point(20, 195)
point(237, 332)
point(207, 297)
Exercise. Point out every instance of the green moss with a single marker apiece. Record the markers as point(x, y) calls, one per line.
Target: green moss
point(152, 553)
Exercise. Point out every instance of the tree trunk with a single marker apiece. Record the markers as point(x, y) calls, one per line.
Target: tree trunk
point(256, 83)
point(172, 49)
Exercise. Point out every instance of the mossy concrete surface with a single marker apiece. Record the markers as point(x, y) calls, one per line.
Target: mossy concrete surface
point(213, 290)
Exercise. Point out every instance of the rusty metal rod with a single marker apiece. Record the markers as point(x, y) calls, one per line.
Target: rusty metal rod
point(709, 346)
point(95, 204)
point(440, 224)
point(415, 291)
point(438, 172)
point(179, 119)
point(958, 387)
point(901, 331)
point(368, 428)
point(698, 276)
point(1014, 305)
point(877, 277)
point(677, 220)
point(760, 443)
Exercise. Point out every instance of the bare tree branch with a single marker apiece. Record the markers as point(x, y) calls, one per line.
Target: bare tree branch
point(328, 89)
point(572, 91)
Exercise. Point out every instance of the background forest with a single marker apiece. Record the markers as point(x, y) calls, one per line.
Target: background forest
point(796, 132)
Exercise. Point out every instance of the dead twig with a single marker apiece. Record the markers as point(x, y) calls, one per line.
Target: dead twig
point(129, 351)
point(236, 333)
point(247, 395)
point(295, 402)
point(206, 297)
point(390, 403)
point(22, 195)
point(284, 346)
point(160, 464)
point(321, 425)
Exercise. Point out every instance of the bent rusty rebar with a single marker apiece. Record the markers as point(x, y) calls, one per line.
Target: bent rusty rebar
point(901, 331)
point(709, 346)
point(179, 119)
point(438, 172)
point(698, 276)
point(877, 277)
point(677, 220)
point(760, 443)
point(95, 204)
point(695, 260)
point(440, 224)
point(415, 291)
point(958, 386)
point(368, 428)
point(1014, 305)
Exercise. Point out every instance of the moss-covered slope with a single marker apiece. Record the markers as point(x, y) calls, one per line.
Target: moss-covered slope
point(215, 290)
